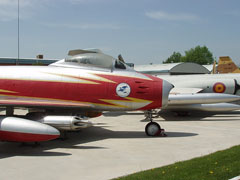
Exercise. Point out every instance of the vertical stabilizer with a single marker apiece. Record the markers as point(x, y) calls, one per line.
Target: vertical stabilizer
point(214, 69)
point(226, 65)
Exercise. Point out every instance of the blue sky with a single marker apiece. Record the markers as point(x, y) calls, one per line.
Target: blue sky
point(143, 31)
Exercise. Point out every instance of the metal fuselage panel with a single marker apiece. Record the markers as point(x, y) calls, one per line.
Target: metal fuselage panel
point(209, 83)
point(61, 87)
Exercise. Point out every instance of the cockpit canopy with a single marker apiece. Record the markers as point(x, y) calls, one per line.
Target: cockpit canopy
point(92, 60)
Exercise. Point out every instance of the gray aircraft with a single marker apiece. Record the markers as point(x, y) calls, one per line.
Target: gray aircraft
point(209, 92)
point(206, 92)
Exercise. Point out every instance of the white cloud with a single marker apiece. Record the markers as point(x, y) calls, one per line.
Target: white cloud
point(9, 8)
point(84, 26)
point(161, 15)
point(22, 3)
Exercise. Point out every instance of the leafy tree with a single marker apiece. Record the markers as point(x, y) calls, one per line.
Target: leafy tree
point(174, 58)
point(200, 55)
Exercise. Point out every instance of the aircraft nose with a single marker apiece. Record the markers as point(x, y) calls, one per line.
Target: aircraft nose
point(166, 88)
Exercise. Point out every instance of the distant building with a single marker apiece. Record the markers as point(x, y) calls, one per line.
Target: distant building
point(26, 61)
point(173, 68)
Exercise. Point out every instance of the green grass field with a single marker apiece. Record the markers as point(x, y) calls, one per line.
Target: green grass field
point(221, 165)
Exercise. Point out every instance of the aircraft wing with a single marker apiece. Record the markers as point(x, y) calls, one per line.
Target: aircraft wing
point(201, 98)
point(186, 99)
point(214, 107)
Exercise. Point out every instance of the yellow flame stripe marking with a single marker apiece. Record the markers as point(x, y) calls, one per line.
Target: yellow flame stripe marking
point(130, 100)
point(96, 78)
point(42, 102)
point(138, 100)
point(41, 80)
point(39, 98)
point(113, 103)
point(101, 78)
point(7, 91)
point(83, 81)
point(136, 77)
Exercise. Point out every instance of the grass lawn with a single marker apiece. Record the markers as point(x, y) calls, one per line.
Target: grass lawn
point(221, 165)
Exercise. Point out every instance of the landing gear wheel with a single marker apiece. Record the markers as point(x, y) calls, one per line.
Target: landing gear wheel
point(153, 129)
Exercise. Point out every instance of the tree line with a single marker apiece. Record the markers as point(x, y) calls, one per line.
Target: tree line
point(199, 55)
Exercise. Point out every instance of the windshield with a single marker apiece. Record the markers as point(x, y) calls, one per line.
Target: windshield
point(92, 59)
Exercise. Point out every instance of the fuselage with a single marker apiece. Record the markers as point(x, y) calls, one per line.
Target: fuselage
point(61, 95)
point(209, 83)
point(80, 88)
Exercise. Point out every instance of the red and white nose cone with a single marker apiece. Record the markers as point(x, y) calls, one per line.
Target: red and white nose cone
point(166, 88)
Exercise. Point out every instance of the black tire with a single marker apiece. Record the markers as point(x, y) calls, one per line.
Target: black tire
point(153, 129)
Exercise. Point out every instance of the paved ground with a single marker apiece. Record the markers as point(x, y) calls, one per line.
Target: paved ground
point(117, 146)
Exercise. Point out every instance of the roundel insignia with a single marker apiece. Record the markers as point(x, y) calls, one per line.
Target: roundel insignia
point(219, 87)
point(123, 90)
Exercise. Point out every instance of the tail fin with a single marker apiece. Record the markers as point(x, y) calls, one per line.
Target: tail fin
point(214, 69)
point(226, 65)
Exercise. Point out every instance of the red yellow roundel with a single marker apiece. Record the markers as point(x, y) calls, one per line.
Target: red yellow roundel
point(219, 87)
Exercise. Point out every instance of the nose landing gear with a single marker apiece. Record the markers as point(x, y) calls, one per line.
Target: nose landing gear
point(153, 128)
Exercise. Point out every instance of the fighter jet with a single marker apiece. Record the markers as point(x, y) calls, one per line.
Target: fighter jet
point(209, 92)
point(60, 96)
point(206, 92)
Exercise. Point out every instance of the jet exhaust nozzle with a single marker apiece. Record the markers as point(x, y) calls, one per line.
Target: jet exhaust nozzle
point(67, 123)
